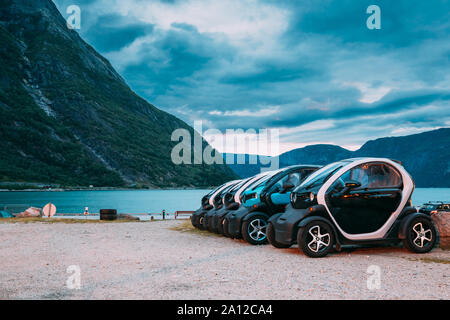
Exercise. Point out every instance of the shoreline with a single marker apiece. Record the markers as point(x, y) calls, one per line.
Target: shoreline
point(101, 189)
point(137, 189)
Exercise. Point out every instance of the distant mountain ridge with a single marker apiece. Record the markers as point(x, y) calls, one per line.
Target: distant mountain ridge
point(426, 156)
point(67, 117)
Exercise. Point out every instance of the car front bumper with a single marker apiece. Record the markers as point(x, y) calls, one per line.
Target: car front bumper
point(235, 219)
point(196, 216)
point(286, 224)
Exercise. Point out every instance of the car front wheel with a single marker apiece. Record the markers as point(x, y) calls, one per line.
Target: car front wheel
point(316, 239)
point(420, 236)
point(200, 224)
point(254, 230)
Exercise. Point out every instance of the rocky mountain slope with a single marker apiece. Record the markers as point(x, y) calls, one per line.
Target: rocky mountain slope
point(67, 117)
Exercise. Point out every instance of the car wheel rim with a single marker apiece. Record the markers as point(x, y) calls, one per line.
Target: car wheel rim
point(257, 229)
point(319, 241)
point(422, 236)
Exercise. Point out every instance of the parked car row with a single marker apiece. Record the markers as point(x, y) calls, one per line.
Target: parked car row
point(350, 202)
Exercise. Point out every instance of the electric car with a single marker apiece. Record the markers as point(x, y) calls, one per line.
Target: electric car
point(267, 197)
point(225, 202)
point(232, 201)
point(354, 201)
point(204, 207)
point(216, 201)
point(207, 204)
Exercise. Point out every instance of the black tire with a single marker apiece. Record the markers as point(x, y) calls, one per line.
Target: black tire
point(321, 245)
point(258, 225)
point(210, 224)
point(194, 224)
point(271, 238)
point(200, 223)
point(205, 222)
point(218, 225)
point(420, 235)
point(225, 225)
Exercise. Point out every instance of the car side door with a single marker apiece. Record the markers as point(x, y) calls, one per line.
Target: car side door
point(363, 198)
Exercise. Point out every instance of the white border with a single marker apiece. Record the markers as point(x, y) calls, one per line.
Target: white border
point(408, 188)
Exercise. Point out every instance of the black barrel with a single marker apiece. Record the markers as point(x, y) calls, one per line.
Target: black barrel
point(108, 214)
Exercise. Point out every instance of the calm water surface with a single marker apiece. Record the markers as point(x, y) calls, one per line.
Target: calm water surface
point(145, 201)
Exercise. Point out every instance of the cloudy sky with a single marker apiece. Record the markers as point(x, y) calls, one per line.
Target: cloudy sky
point(311, 68)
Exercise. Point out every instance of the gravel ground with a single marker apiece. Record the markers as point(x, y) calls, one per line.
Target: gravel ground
point(151, 261)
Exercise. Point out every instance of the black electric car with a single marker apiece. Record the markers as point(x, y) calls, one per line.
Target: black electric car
point(233, 201)
point(354, 201)
point(206, 205)
point(216, 201)
point(226, 201)
point(265, 198)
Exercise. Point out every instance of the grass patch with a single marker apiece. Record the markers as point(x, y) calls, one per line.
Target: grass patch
point(187, 227)
point(431, 260)
point(56, 220)
point(435, 260)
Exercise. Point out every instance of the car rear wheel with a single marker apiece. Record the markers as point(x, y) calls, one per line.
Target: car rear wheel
point(254, 230)
point(271, 238)
point(316, 239)
point(420, 235)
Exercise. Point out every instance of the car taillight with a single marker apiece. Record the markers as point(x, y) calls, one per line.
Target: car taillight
point(434, 212)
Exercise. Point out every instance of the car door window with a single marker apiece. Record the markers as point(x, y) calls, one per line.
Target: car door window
point(293, 178)
point(371, 176)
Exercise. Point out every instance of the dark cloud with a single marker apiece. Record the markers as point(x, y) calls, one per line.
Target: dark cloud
point(325, 65)
point(113, 32)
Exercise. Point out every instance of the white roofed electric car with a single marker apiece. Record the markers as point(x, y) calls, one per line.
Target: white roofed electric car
point(354, 201)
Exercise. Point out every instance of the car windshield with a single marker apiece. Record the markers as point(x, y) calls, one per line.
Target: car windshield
point(264, 179)
point(321, 176)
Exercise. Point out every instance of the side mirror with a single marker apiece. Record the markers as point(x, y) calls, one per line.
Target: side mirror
point(352, 184)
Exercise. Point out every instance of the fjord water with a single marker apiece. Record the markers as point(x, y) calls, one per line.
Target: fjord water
point(147, 201)
point(135, 201)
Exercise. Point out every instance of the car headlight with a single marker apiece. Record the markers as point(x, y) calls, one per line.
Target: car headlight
point(312, 196)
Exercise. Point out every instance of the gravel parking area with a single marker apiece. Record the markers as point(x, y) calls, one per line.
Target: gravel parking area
point(151, 261)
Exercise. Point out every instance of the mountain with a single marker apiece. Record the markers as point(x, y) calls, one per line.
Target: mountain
point(67, 117)
point(426, 156)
